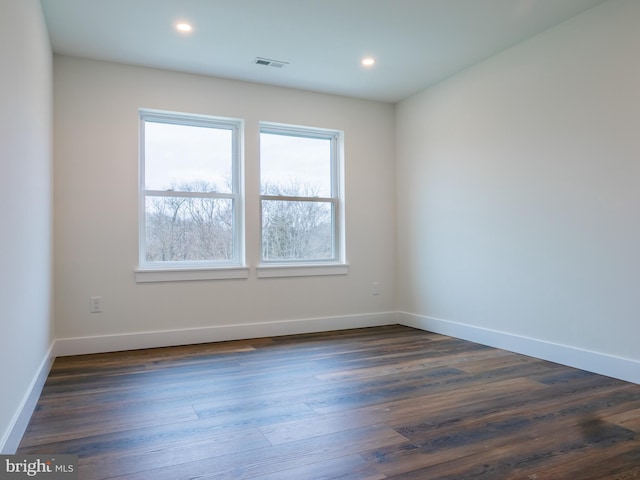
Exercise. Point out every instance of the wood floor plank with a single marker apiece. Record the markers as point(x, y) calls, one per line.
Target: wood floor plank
point(620, 460)
point(445, 442)
point(396, 414)
point(629, 419)
point(372, 403)
point(418, 364)
point(278, 458)
point(135, 460)
point(64, 428)
point(464, 393)
point(496, 450)
point(351, 467)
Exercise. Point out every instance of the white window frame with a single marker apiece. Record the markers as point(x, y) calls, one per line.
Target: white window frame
point(154, 271)
point(302, 267)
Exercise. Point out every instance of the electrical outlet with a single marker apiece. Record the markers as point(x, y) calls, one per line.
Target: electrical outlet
point(95, 304)
point(375, 288)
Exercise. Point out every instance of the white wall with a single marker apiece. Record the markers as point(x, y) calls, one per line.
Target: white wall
point(96, 164)
point(519, 193)
point(25, 216)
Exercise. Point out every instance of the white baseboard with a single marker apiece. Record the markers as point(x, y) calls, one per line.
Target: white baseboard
point(166, 338)
point(13, 435)
point(622, 368)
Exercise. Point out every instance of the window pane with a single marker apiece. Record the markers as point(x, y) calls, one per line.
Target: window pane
point(294, 230)
point(295, 166)
point(188, 229)
point(187, 158)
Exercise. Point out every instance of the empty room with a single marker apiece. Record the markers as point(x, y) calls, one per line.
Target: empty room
point(285, 239)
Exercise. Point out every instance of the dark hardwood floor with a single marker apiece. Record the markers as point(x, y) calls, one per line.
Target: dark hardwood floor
point(388, 402)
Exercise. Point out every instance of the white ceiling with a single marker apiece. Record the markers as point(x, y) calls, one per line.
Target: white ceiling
point(416, 42)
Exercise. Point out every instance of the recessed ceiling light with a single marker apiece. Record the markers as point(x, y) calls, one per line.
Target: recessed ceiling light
point(368, 61)
point(184, 27)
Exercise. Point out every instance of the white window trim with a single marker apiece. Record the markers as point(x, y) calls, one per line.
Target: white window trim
point(336, 265)
point(301, 270)
point(164, 274)
point(207, 270)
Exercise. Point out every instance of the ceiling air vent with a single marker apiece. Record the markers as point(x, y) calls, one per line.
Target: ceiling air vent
point(267, 62)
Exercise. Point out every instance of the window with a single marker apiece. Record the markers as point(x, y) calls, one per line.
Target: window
point(300, 194)
point(190, 202)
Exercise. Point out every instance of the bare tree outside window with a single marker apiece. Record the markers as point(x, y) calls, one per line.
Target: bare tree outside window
point(189, 228)
point(294, 229)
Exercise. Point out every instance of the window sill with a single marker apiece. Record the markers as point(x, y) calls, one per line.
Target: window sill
point(149, 275)
point(302, 270)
